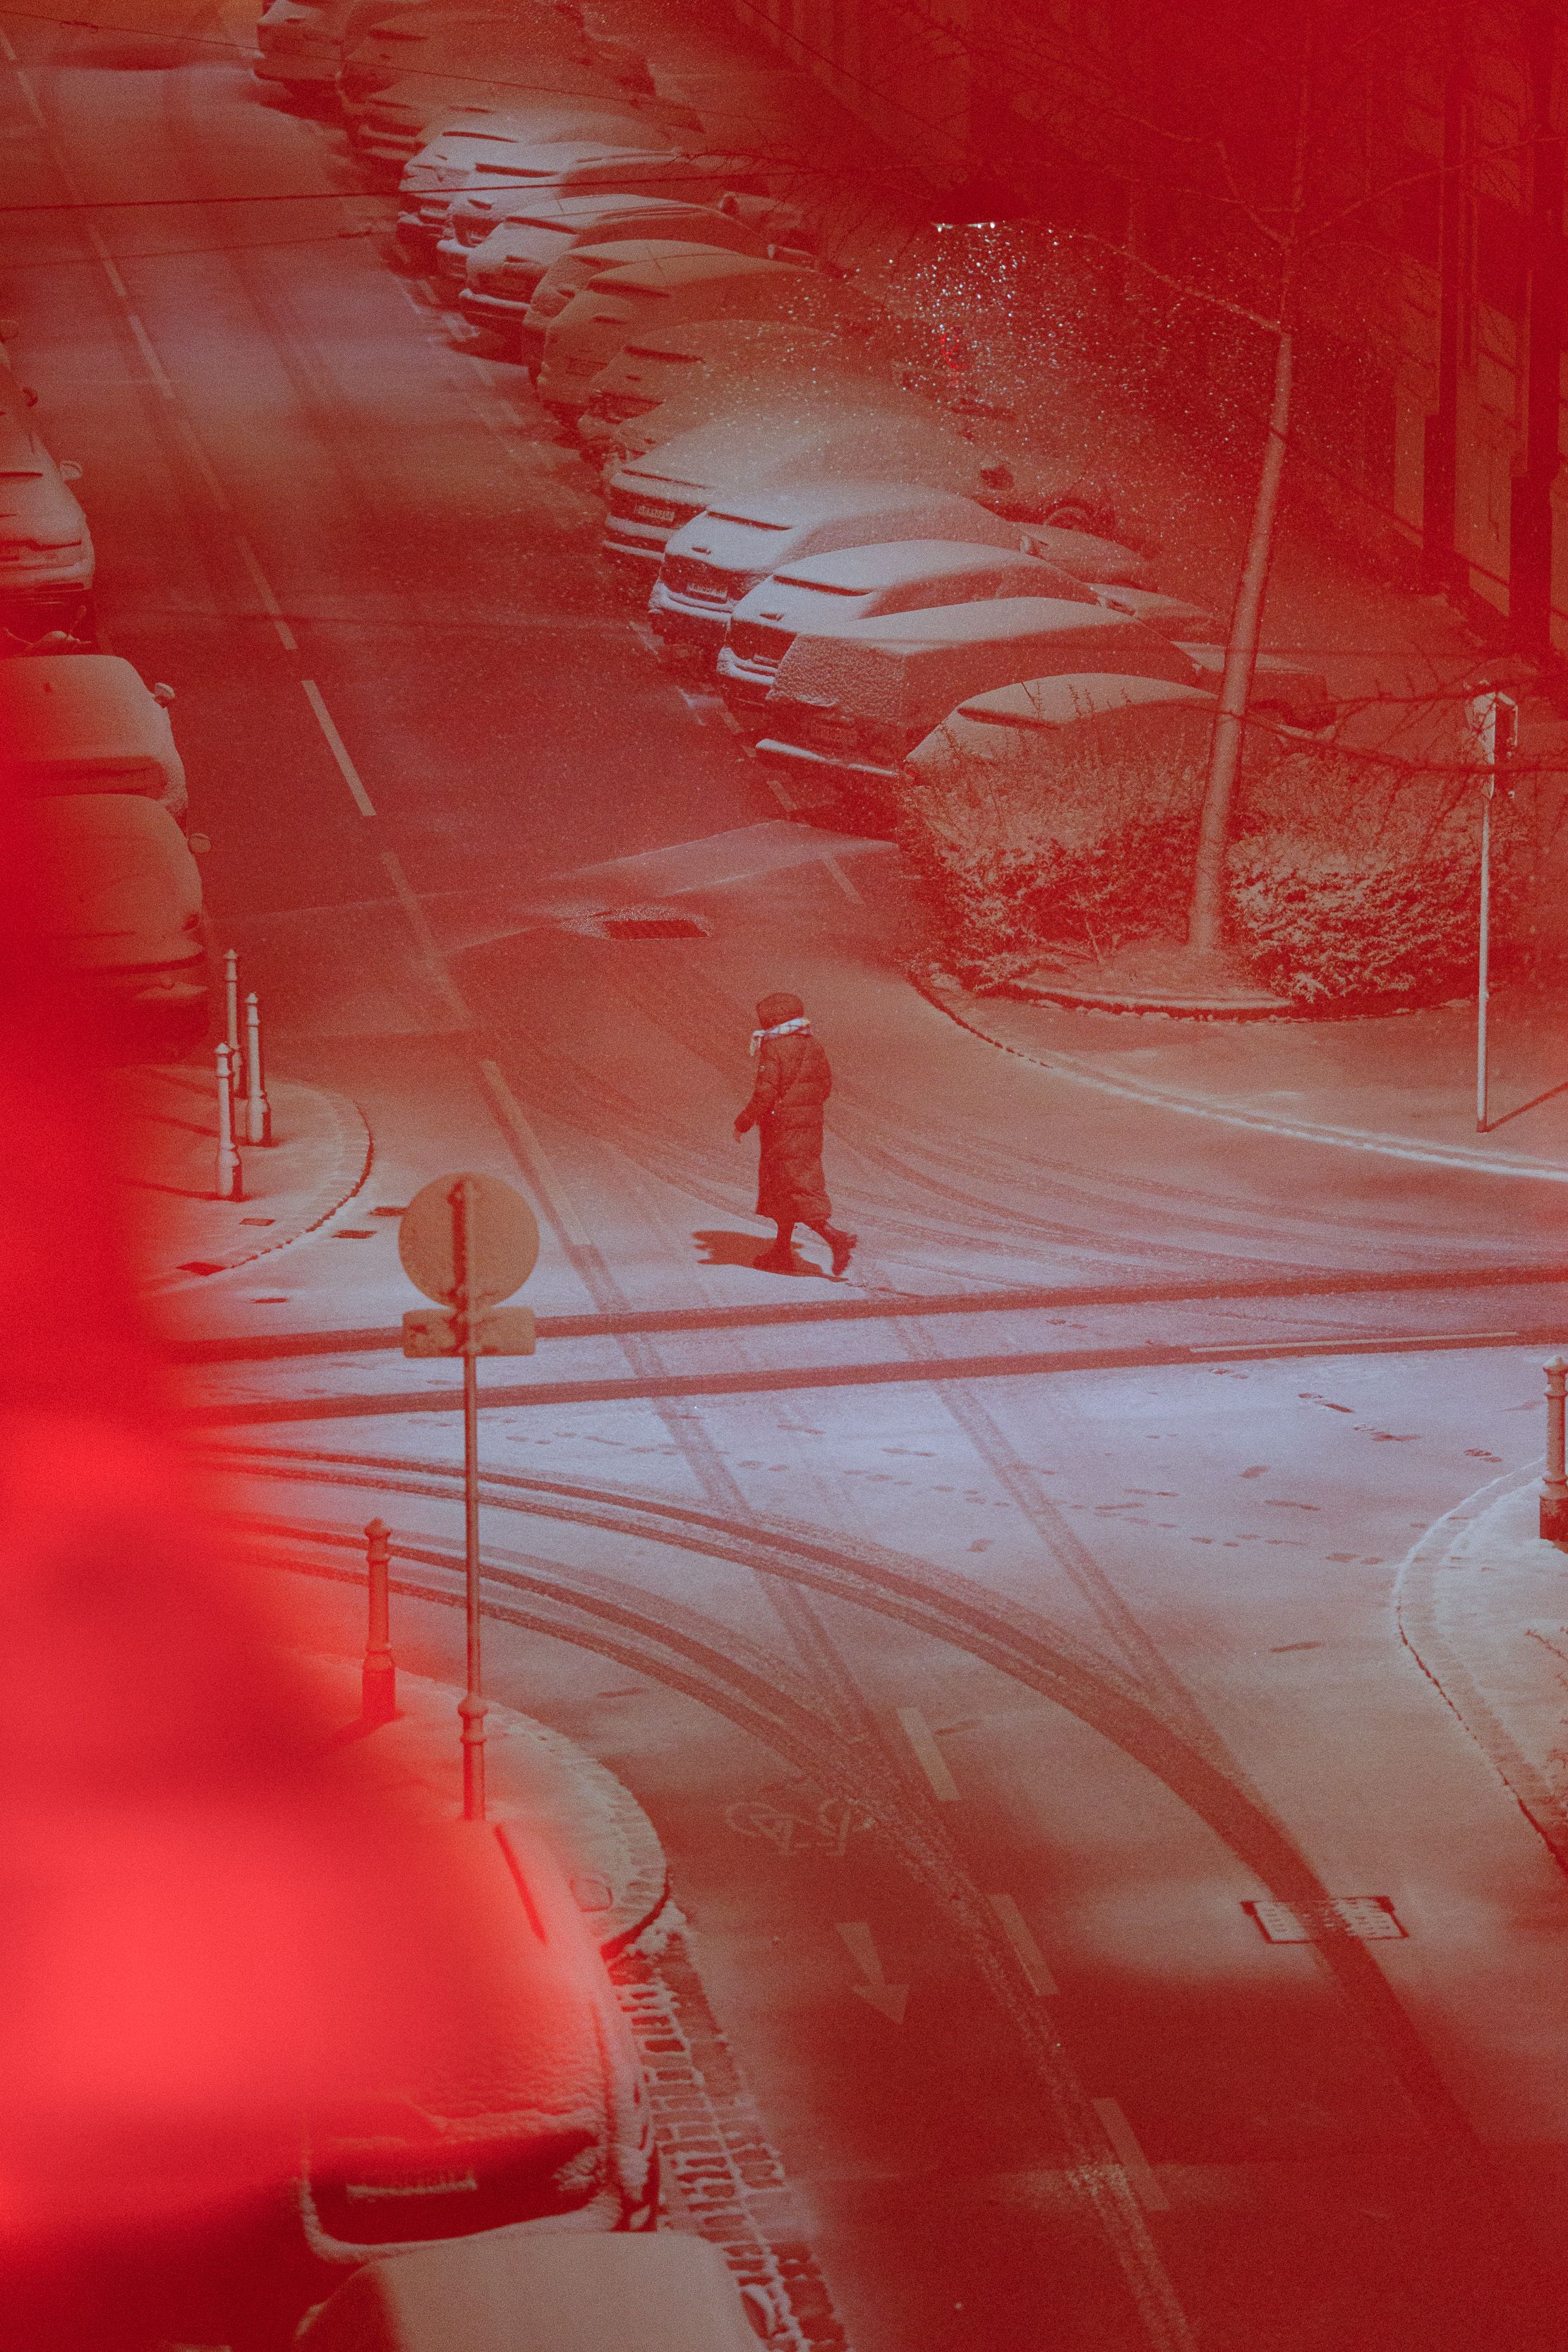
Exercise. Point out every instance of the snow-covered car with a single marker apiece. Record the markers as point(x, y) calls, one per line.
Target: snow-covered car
point(586, 264)
point(531, 2110)
point(530, 234)
point(672, 2293)
point(732, 546)
point(503, 284)
point(822, 591)
point(87, 723)
point(622, 305)
point(46, 558)
point(501, 152)
point(395, 122)
point(1018, 735)
point(298, 42)
point(681, 380)
point(1281, 689)
point(539, 50)
point(853, 703)
point(573, 163)
point(123, 910)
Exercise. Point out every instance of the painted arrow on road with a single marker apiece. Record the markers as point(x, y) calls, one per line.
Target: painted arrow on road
point(891, 1999)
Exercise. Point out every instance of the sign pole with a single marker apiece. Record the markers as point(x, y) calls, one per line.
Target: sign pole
point(1483, 971)
point(471, 1708)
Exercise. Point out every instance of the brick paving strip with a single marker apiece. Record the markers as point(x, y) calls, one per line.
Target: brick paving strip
point(181, 1234)
point(722, 2178)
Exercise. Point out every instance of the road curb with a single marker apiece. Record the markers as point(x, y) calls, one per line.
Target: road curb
point(590, 1820)
point(341, 1152)
point(1459, 1601)
point(960, 1007)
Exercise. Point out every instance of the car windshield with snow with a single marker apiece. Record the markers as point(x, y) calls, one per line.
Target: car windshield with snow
point(503, 151)
point(527, 242)
point(821, 592)
point(712, 563)
point(1027, 732)
point(856, 702)
point(580, 267)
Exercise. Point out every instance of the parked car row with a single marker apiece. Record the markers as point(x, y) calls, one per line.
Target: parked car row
point(87, 744)
point(853, 558)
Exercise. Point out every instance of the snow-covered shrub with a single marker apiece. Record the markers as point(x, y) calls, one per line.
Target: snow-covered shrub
point(1352, 884)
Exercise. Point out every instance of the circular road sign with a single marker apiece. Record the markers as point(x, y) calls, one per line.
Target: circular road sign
point(503, 1240)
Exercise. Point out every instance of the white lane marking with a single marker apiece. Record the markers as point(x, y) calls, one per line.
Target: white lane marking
point(24, 84)
point(95, 238)
point(645, 637)
point(779, 794)
point(270, 603)
point(1134, 2163)
point(338, 747)
point(843, 880)
point(7, 49)
point(1384, 1341)
point(154, 364)
point(1032, 1959)
point(544, 1179)
point(418, 923)
point(203, 464)
point(928, 1755)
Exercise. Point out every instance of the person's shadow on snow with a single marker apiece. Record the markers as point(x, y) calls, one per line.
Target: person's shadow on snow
point(719, 1248)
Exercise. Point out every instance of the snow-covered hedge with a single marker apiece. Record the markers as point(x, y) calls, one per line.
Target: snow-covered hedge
point(1350, 885)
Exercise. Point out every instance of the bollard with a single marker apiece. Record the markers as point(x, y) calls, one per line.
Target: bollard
point(258, 1109)
point(231, 1007)
point(378, 1682)
point(1554, 1490)
point(230, 1177)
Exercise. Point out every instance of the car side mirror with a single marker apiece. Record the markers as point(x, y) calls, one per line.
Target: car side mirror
point(70, 470)
point(163, 694)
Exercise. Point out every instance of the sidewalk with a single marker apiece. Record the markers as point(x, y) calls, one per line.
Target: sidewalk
point(1404, 1085)
point(1482, 1604)
point(606, 1846)
point(319, 1156)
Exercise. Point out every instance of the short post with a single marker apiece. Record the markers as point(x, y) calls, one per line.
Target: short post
point(258, 1109)
point(378, 1680)
point(230, 1178)
point(471, 1708)
point(1554, 1488)
point(231, 1006)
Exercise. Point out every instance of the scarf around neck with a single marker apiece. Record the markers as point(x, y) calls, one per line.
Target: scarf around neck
point(783, 1029)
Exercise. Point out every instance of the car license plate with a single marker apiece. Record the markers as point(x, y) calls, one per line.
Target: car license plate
point(649, 511)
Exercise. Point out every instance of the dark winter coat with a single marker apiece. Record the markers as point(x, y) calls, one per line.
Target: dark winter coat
point(793, 1081)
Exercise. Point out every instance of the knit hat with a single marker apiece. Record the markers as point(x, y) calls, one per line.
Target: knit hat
point(780, 1006)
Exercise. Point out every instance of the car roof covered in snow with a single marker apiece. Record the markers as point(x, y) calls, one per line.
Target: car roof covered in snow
point(122, 886)
point(909, 668)
point(689, 267)
point(1046, 702)
point(795, 506)
point(76, 708)
point(902, 563)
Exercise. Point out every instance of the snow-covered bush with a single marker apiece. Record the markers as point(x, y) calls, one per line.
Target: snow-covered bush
point(1354, 883)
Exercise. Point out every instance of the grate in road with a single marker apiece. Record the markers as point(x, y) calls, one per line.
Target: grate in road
point(1370, 1918)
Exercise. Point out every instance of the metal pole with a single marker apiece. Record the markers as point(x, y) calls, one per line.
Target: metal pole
point(378, 1679)
point(230, 1179)
point(258, 1109)
point(1554, 1488)
point(1483, 974)
point(472, 1706)
point(231, 1005)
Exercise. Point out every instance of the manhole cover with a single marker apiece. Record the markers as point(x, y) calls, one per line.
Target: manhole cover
point(642, 923)
point(1370, 1918)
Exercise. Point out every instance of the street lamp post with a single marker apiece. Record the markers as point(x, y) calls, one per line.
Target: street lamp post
point(1494, 718)
point(1554, 1487)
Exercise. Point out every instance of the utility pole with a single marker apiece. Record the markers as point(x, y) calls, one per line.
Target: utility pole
point(1494, 718)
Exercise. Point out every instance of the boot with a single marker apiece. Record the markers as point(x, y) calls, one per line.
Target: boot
point(841, 1244)
point(780, 1258)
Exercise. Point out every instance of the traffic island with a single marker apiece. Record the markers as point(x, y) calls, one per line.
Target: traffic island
point(181, 1233)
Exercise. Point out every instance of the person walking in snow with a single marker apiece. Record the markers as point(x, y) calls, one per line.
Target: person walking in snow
point(793, 1083)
